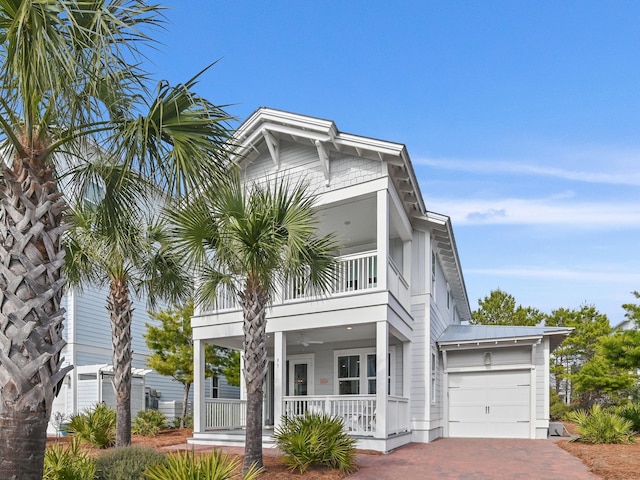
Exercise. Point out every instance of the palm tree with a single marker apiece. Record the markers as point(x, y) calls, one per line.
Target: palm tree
point(72, 86)
point(249, 240)
point(114, 242)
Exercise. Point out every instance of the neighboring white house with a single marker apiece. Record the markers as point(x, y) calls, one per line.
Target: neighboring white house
point(388, 349)
point(88, 335)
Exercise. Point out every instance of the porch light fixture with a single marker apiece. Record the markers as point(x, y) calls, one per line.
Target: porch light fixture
point(487, 358)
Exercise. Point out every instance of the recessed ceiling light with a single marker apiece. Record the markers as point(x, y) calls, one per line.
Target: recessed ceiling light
point(347, 222)
point(349, 328)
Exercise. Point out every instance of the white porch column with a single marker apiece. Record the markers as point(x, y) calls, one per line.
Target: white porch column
point(382, 374)
point(199, 407)
point(382, 236)
point(279, 375)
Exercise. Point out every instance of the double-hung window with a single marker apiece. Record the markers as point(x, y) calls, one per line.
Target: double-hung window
point(356, 371)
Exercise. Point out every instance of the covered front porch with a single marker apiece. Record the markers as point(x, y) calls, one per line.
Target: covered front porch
point(358, 372)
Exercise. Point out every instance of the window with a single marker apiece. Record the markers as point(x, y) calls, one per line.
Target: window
point(215, 387)
point(434, 371)
point(356, 371)
point(349, 375)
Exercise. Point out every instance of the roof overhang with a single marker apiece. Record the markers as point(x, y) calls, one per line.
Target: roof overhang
point(467, 337)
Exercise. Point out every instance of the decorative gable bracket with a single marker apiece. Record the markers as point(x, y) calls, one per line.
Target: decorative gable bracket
point(324, 161)
point(274, 147)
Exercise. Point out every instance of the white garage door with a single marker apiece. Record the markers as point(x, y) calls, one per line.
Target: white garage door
point(490, 404)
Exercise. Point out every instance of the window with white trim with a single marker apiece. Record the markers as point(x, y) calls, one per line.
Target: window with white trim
point(356, 371)
point(434, 378)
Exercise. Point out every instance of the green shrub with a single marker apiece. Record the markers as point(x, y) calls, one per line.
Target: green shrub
point(188, 421)
point(149, 423)
point(632, 413)
point(68, 463)
point(97, 426)
point(126, 463)
point(186, 466)
point(601, 426)
point(315, 439)
point(557, 408)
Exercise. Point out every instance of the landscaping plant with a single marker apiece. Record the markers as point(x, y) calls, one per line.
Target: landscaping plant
point(68, 463)
point(148, 423)
point(212, 466)
point(126, 463)
point(632, 413)
point(96, 426)
point(316, 439)
point(598, 425)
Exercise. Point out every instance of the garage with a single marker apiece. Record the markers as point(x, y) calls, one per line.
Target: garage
point(496, 380)
point(494, 404)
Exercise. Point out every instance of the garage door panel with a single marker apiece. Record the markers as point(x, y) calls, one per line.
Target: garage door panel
point(489, 404)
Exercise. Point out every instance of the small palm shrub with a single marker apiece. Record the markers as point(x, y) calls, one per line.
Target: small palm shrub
point(601, 426)
point(68, 463)
point(632, 413)
point(149, 423)
point(213, 466)
point(95, 426)
point(126, 463)
point(316, 439)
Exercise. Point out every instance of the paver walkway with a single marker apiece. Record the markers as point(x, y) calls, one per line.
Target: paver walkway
point(474, 459)
point(461, 459)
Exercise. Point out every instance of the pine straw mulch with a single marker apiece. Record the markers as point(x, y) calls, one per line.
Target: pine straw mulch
point(610, 462)
point(274, 466)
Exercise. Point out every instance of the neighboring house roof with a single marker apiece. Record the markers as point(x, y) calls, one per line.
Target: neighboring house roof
point(459, 335)
point(626, 324)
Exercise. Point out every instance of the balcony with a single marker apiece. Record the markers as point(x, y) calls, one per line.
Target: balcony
point(355, 273)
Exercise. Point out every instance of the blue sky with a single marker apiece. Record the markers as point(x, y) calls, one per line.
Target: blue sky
point(521, 118)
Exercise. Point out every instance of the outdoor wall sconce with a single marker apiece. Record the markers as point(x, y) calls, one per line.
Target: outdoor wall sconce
point(487, 358)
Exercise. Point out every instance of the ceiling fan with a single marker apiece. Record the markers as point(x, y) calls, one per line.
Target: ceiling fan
point(306, 341)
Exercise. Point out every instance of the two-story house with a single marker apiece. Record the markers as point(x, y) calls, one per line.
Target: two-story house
point(389, 349)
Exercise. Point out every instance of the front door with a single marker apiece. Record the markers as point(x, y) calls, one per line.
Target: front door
point(300, 375)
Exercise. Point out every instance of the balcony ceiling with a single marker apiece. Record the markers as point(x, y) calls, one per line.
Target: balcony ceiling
point(354, 221)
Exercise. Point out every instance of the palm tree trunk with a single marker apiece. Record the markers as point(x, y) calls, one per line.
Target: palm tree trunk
point(121, 312)
point(31, 318)
point(254, 301)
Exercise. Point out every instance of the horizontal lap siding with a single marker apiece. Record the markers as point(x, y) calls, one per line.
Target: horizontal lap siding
point(499, 357)
point(419, 359)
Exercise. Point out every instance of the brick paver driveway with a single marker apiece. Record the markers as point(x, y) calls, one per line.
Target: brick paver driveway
point(474, 459)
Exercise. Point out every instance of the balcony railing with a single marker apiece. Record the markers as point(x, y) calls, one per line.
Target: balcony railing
point(354, 273)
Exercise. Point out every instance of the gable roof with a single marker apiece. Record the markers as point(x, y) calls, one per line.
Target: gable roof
point(470, 335)
point(266, 127)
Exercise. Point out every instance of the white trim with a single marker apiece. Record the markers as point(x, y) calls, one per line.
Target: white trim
point(434, 375)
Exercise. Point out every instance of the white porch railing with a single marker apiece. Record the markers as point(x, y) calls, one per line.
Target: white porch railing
point(357, 411)
point(397, 415)
point(225, 413)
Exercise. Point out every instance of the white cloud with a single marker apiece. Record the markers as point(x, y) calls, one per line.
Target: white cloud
point(554, 210)
point(559, 274)
point(627, 176)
